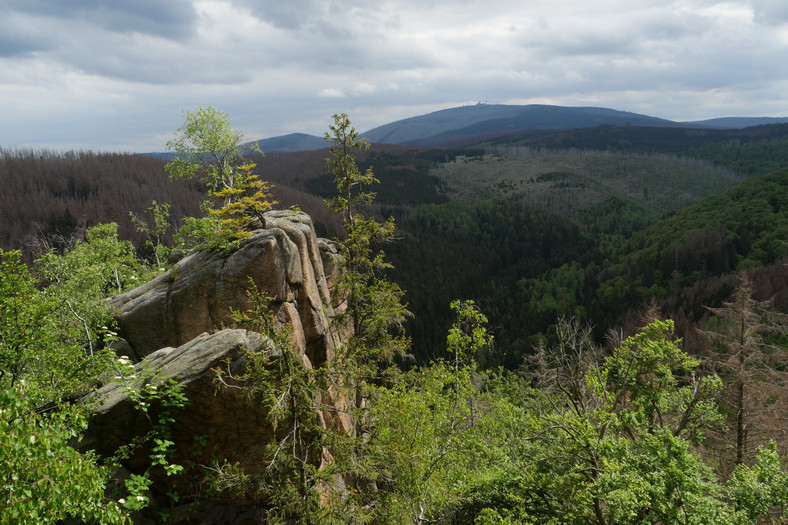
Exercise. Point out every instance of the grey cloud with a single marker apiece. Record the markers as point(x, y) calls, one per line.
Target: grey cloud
point(613, 35)
point(332, 34)
point(307, 18)
point(11, 47)
point(170, 19)
point(770, 12)
point(160, 63)
point(265, 61)
point(656, 25)
point(19, 37)
point(162, 73)
point(291, 15)
point(324, 49)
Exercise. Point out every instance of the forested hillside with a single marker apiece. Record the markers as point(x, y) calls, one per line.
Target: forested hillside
point(518, 364)
point(748, 151)
point(49, 195)
point(531, 232)
point(684, 259)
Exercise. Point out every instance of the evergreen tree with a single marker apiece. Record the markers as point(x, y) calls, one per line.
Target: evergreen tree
point(206, 146)
point(373, 304)
point(753, 368)
point(244, 204)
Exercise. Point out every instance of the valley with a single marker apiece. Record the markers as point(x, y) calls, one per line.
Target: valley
point(527, 292)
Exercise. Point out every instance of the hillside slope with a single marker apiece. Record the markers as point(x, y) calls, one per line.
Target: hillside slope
point(688, 260)
point(469, 121)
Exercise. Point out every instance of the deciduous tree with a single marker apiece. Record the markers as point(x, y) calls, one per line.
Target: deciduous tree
point(612, 439)
point(206, 146)
point(50, 354)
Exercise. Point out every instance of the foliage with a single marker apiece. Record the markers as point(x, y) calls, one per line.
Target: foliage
point(101, 266)
point(155, 231)
point(244, 204)
point(580, 436)
point(760, 491)
point(422, 438)
point(78, 281)
point(609, 439)
point(350, 182)
point(158, 399)
point(468, 336)
point(51, 351)
point(22, 324)
point(42, 333)
point(42, 478)
point(293, 481)
point(199, 232)
point(374, 305)
point(426, 428)
point(206, 146)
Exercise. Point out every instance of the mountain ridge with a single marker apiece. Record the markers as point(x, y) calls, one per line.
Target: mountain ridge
point(463, 123)
point(428, 129)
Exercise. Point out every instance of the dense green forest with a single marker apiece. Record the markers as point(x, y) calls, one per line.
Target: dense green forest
point(598, 187)
point(616, 355)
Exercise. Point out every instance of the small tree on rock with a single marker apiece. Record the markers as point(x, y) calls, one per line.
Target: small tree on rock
point(206, 146)
point(245, 204)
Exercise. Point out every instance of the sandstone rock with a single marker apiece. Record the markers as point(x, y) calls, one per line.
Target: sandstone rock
point(218, 423)
point(231, 426)
point(196, 295)
point(179, 326)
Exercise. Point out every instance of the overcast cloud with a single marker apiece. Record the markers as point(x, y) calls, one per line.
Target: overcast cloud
point(110, 75)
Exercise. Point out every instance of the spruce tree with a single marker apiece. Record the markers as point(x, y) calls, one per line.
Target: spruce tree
point(374, 309)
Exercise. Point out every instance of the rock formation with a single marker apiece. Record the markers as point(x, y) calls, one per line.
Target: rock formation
point(196, 295)
point(179, 326)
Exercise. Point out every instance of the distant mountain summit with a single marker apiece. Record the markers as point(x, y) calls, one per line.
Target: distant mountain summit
point(465, 124)
point(469, 121)
point(281, 144)
point(292, 142)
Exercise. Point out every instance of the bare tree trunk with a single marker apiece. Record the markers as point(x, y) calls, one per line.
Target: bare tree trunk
point(740, 423)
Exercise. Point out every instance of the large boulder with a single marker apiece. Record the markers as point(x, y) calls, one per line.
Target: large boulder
point(179, 328)
point(227, 422)
point(197, 294)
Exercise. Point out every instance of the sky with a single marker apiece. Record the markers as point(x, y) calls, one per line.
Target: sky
point(116, 75)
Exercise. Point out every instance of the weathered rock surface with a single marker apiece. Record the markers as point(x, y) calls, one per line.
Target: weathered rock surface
point(196, 295)
point(179, 326)
point(230, 425)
